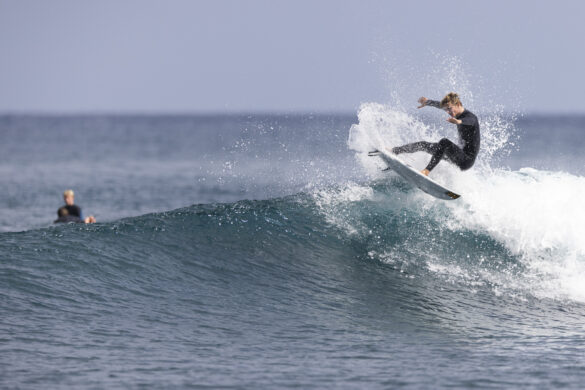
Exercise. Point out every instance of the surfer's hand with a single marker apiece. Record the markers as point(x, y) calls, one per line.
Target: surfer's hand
point(423, 102)
point(425, 172)
point(455, 121)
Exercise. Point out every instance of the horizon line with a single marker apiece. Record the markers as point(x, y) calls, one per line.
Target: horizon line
point(268, 112)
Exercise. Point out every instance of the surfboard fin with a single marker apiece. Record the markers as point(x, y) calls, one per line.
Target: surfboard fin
point(452, 195)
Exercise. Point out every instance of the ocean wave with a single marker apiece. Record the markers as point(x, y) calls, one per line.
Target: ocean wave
point(516, 242)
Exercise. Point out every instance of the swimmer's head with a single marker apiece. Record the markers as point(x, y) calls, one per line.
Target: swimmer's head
point(62, 212)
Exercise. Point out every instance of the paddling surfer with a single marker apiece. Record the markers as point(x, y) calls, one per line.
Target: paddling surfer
point(467, 126)
point(71, 212)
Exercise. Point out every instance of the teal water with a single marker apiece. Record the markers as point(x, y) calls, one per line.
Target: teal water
point(259, 252)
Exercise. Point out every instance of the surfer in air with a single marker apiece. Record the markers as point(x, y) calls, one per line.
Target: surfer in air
point(467, 126)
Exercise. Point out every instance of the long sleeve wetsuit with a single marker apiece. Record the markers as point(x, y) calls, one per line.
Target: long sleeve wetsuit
point(464, 157)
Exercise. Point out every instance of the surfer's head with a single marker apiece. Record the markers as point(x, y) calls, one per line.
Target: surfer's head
point(68, 197)
point(452, 104)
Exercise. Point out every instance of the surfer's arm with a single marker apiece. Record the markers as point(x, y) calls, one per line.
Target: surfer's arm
point(433, 103)
point(428, 102)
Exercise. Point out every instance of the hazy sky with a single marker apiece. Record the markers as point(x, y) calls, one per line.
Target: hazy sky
point(318, 55)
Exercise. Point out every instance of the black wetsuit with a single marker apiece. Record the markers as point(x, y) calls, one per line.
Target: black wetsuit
point(74, 210)
point(469, 137)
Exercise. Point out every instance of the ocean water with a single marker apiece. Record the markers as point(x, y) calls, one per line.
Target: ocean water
point(268, 251)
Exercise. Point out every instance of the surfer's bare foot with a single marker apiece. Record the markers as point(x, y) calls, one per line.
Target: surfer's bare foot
point(425, 172)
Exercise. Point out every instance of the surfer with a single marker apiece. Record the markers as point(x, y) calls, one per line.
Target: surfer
point(467, 127)
point(71, 212)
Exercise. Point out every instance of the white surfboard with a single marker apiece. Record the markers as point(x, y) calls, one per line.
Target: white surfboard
point(413, 176)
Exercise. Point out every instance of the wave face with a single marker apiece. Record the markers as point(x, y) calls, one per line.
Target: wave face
point(337, 275)
point(351, 276)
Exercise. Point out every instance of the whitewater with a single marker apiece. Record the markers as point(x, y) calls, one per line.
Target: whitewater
point(269, 251)
point(535, 214)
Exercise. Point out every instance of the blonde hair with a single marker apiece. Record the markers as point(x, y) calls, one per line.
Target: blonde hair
point(68, 193)
point(451, 98)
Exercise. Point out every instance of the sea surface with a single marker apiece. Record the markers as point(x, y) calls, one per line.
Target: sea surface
point(269, 251)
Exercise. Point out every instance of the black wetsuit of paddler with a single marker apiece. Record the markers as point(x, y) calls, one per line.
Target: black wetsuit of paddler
point(74, 210)
point(463, 157)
